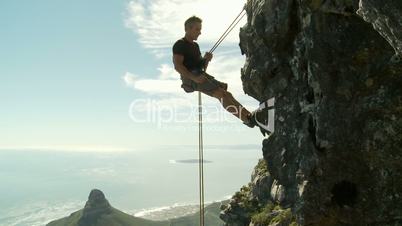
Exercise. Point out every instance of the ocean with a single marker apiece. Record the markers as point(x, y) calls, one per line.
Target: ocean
point(40, 186)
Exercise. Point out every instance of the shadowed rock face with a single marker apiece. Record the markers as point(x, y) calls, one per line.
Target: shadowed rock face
point(335, 156)
point(96, 206)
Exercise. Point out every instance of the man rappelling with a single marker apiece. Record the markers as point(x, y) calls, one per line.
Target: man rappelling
point(191, 65)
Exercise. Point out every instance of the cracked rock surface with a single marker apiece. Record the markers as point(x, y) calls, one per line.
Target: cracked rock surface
point(335, 157)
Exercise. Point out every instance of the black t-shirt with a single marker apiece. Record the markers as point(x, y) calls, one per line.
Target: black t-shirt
point(191, 52)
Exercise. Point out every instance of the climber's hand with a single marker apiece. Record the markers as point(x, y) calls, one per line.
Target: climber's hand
point(208, 56)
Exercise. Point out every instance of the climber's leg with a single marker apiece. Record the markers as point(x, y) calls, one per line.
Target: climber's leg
point(230, 104)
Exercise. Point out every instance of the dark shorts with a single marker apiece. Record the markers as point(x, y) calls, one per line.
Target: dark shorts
point(208, 87)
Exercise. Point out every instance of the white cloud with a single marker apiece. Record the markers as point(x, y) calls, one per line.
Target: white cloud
point(129, 79)
point(155, 86)
point(165, 84)
point(167, 72)
point(160, 23)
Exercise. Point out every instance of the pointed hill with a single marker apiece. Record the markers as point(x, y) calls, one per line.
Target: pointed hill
point(99, 212)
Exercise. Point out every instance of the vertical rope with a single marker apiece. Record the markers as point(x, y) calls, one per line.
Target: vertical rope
point(200, 160)
point(200, 137)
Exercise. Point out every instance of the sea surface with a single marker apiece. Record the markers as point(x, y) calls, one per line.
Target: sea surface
point(38, 186)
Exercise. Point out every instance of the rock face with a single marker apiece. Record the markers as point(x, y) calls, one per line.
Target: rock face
point(95, 207)
point(335, 156)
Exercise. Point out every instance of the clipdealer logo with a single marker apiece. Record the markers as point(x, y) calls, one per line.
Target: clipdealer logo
point(152, 111)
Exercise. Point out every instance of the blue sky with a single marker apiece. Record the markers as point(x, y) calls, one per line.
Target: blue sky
point(76, 75)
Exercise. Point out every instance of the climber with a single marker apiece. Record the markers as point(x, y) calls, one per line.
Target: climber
point(191, 66)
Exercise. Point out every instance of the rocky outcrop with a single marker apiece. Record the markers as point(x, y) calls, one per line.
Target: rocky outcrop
point(248, 200)
point(334, 158)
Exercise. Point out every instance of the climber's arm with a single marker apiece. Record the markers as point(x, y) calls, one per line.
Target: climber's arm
point(179, 67)
point(207, 57)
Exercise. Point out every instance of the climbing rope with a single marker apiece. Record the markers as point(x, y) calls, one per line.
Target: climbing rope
point(200, 137)
point(200, 160)
point(229, 29)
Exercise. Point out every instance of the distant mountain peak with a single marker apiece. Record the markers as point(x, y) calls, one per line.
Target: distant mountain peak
point(96, 206)
point(96, 200)
point(98, 212)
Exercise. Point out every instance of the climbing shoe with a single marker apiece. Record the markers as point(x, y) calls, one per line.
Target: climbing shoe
point(259, 118)
point(250, 121)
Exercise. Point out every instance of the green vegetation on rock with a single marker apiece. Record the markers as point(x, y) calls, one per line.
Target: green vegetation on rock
point(274, 214)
